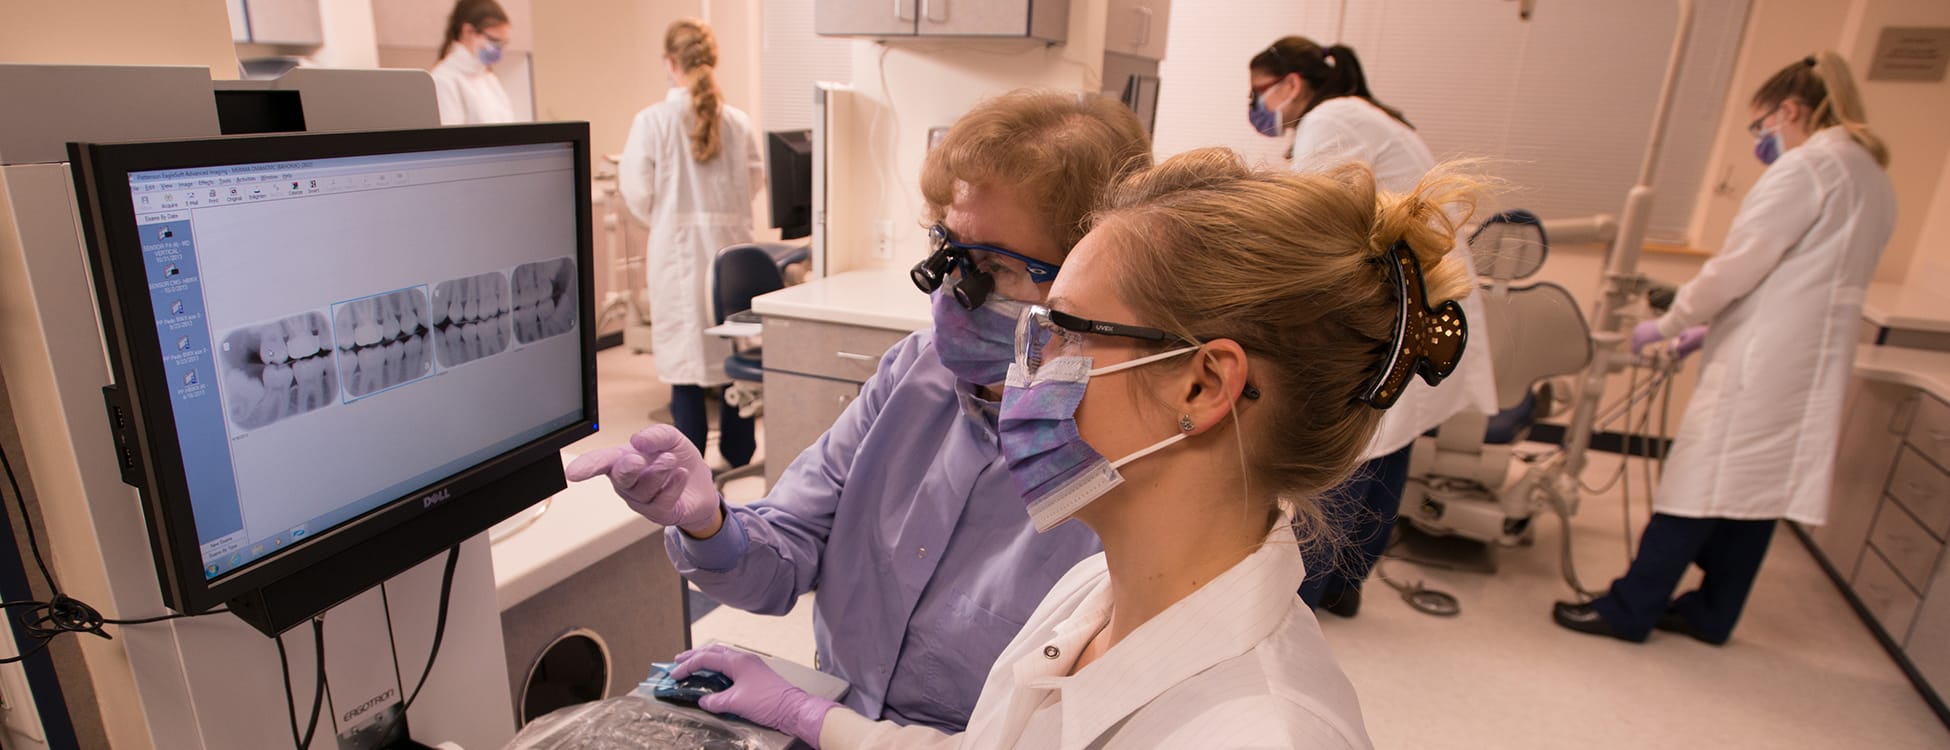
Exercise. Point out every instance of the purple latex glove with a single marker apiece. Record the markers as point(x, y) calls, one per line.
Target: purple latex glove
point(757, 694)
point(660, 476)
point(1689, 341)
point(1644, 335)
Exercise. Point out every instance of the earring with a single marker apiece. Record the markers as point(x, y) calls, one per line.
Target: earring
point(1185, 423)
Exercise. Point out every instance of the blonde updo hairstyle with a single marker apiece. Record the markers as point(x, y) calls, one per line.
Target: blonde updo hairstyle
point(691, 44)
point(1059, 150)
point(1289, 266)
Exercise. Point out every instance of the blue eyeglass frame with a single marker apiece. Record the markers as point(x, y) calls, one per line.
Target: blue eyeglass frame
point(1039, 272)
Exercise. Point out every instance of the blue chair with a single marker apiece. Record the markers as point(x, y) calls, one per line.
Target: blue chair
point(743, 272)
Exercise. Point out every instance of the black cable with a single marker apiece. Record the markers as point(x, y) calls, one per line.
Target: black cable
point(32, 542)
point(440, 623)
point(60, 613)
point(318, 693)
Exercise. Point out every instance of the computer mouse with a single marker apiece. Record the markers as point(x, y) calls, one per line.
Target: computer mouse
point(690, 689)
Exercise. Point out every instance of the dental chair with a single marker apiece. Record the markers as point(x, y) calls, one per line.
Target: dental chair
point(1460, 476)
point(740, 273)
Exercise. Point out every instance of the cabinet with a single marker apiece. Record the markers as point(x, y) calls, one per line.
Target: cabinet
point(1137, 28)
point(1889, 518)
point(813, 370)
point(1047, 20)
point(289, 22)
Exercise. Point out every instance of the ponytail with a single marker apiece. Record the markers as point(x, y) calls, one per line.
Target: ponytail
point(1823, 83)
point(479, 14)
point(1346, 77)
point(690, 43)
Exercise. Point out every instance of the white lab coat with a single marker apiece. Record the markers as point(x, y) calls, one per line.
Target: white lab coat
point(694, 210)
point(1784, 298)
point(1350, 128)
point(467, 91)
point(1240, 662)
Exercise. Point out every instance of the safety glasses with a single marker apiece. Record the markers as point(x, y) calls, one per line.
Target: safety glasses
point(1045, 334)
point(1754, 128)
point(978, 266)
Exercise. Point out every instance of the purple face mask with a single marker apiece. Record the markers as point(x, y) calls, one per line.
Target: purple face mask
point(976, 345)
point(1056, 471)
point(1768, 148)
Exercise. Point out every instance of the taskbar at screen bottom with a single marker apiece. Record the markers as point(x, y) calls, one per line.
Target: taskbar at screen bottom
point(244, 555)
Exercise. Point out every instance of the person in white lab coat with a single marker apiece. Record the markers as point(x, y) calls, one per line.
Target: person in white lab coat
point(1322, 95)
point(463, 80)
point(690, 170)
point(1186, 403)
point(1783, 300)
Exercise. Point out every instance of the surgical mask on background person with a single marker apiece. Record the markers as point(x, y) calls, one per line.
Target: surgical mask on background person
point(1263, 118)
point(976, 345)
point(1768, 148)
point(1056, 471)
point(489, 53)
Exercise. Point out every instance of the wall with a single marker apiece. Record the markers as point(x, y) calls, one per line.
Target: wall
point(908, 87)
point(107, 32)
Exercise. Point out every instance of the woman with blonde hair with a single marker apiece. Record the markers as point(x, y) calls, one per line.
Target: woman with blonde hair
point(903, 516)
point(1783, 300)
point(1215, 358)
point(690, 169)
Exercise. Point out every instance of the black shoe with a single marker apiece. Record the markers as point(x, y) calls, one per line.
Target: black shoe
point(1344, 602)
point(1582, 618)
point(1673, 622)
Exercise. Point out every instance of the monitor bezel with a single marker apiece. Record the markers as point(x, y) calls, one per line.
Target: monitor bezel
point(100, 171)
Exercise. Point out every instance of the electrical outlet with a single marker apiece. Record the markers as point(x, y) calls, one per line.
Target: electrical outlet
point(883, 236)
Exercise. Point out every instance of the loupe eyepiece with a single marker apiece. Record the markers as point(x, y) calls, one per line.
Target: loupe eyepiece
point(928, 273)
point(973, 289)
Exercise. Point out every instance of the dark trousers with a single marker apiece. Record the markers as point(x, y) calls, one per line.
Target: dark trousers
point(1363, 511)
point(1728, 551)
point(736, 441)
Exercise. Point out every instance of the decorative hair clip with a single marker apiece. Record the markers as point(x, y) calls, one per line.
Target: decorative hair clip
point(1428, 341)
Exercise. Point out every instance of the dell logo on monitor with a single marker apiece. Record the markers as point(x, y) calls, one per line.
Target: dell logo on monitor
point(435, 497)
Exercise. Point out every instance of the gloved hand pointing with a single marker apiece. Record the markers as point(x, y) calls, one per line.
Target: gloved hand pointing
point(660, 476)
point(1689, 341)
point(757, 694)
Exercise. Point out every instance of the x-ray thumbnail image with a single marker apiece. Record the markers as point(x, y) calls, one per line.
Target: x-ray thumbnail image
point(545, 299)
point(470, 318)
point(276, 370)
point(382, 341)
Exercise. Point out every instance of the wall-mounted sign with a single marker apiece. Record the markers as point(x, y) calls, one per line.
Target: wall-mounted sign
point(1911, 54)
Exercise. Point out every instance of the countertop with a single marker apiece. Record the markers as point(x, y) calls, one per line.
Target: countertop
point(583, 524)
point(1928, 371)
point(1918, 303)
point(883, 298)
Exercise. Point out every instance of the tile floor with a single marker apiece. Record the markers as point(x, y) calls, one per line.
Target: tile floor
point(1801, 672)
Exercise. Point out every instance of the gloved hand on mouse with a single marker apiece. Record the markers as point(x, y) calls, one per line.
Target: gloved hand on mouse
point(660, 475)
point(1688, 341)
point(757, 694)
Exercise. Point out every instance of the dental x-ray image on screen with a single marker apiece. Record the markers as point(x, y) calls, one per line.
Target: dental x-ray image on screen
point(383, 341)
point(470, 318)
point(545, 299)
point(276, 370)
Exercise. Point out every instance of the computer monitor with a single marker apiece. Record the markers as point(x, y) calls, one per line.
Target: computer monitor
point(788, 154)
point(336, 355)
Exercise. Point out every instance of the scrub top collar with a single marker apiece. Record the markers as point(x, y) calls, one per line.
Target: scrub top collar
point(1256, 594)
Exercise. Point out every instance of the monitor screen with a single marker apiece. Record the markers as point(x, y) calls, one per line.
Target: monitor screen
point(789, 157)
point(344, 327)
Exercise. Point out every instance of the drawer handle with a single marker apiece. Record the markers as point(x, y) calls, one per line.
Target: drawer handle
point(856, 357)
